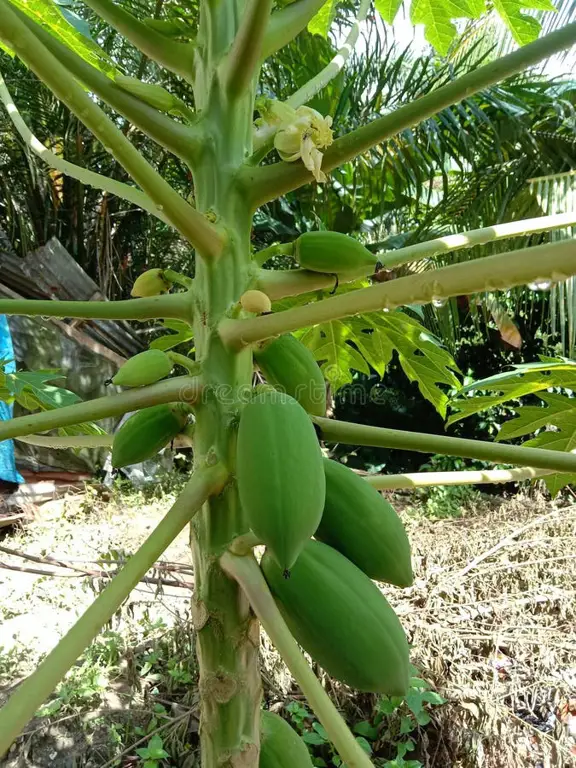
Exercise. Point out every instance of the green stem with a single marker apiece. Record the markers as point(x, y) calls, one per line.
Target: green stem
point(246, 572)
point(278, 283)
point(173, 55)
point(92, 179)
point(475, 237)
point(191, 366)
point(22, 705)
point(333, 431)
point(192, 225)
point(467, 477)
point(173, 306)
point(69, 441)
point(179, 389)
point(271, 181)
point(333, 68)
point(241, 64)
point(180, 139)
point(553, 261)
point(280, 249)
point(288, 22)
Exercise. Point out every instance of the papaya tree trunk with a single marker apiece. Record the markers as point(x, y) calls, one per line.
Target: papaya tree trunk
point(227, 632)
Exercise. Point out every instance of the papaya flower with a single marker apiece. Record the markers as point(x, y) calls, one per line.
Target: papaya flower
point(303, 137)
point(298, 133)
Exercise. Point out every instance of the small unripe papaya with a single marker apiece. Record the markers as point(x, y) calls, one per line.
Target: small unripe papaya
point(363, 526)
point(150, 283)
point(290, 367)
point(341, 619)
point(146, 432)
point(280, 745)
point(255, 301)
point(144, 368)
point(280, 476)
point(333, 253)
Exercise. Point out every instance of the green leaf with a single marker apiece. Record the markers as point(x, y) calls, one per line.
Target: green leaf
point(524, 28)
point(388, 9)
point(182, 334)
point(310, 737)
point(437, 16)
point(30, 390)
point(366, 746)
point(364, 728)
point(331, 348)
point(321, 22)
point(47, 15)
point(156, 749)
point(422, 360)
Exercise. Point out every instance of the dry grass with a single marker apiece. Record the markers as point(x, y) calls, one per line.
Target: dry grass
point(492, 621)
point(491, 618)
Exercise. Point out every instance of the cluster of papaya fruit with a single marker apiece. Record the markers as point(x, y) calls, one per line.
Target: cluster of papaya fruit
point(327, 535)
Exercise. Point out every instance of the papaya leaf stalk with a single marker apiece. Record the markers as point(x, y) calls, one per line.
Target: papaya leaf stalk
point(465, 477)
point(97, 180)
point(553, 262)
point(174, 306)
point(246, 572)
point(173, 55)
point(333, 431)
point(186, 389)
point(271, 181)
point(205, 482)
point(192, 225)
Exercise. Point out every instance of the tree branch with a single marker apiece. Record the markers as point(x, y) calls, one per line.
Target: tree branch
point(333, 68)
point(241, 63)
point(246, 572)
point(269, 182)
point(475, 237)
point(174, 136)
point(173, 306)
point(467, 477)
point(173, 55)
point(278, 283)
point(288, 22)
point(92, 179)
point(24, 702)
point(553, 261)
point(191, 224)
point(179, 389)
point(333, 431)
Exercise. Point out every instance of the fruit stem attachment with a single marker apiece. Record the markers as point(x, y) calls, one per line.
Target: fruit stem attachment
point(191, 366)
point(22, 705)
point(185, 389)
point(246, 572)
point(552, 261)
point(243, 545)
point(333, 431)
point(466, 477)
point(173, 306)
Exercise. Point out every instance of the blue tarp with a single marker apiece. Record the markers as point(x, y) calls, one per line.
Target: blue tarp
point(8, 471)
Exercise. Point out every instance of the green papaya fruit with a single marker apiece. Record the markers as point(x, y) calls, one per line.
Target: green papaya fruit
point(146, 432)
point(334, 253)
point(363, 526)
point(280, 745)
point(341, 619)
point(290, 367)
point(280, 476)
point(153, 282)
point(144, 368)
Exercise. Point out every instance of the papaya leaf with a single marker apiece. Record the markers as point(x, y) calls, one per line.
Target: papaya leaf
point(525, 379)
point(560, 413)
point(48, 15)
point(524, 28)
point(182, 334)
point(388, 9)
point(437, 17)
point(330, 344)
point(86, 428)
point(320, 23)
